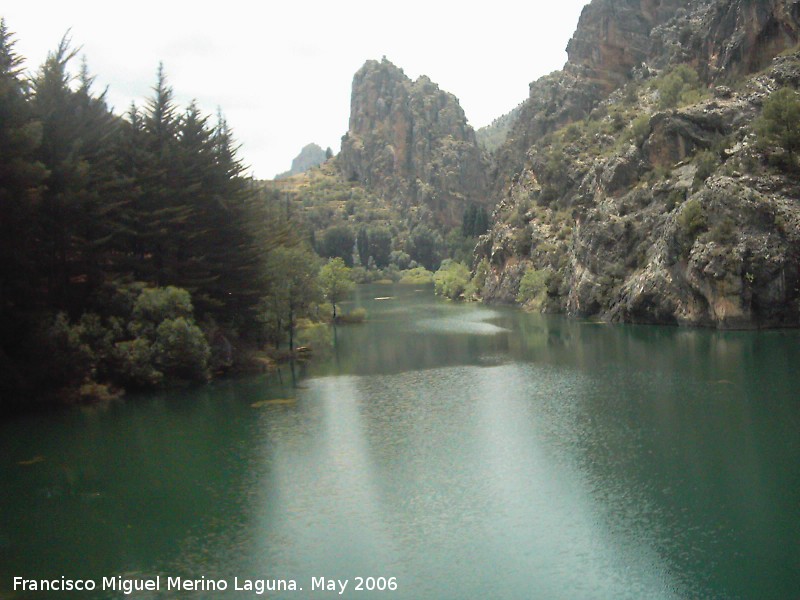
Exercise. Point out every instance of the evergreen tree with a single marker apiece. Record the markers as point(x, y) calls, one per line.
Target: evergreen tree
point(380, 245)
point(83, 193)
point(468, 221)
point(338, 241)
point(423, 245)
point(165, 214)
point(481, 222)
point(362, 245)
point(21, 178)
point(246, 229)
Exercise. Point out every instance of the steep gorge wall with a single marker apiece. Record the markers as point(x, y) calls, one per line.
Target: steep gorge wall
point(632, 226)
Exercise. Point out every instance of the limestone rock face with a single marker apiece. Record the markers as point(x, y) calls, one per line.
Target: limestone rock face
point(613, 36)
point(639, 212)
point(742, 36)
point(616, 40)
point(410, 142)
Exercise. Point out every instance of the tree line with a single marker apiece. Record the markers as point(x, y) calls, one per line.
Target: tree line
point(133, 248)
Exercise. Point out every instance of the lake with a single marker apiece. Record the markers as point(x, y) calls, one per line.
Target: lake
point(464, 451)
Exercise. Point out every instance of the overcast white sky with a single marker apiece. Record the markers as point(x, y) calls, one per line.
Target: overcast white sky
point(281, 72)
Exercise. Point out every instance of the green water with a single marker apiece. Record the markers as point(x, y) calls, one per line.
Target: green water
point(469, 452)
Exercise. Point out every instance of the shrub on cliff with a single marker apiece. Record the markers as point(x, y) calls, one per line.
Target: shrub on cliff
point(533, 287)
point(679, 86)
point(779, 124)
point(451, 279)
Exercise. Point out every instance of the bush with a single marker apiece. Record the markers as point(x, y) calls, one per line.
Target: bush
point(723, 232)
point(181, 351)
point(400, 259)
point(640, 129)
point(779, 124)
point(416, 276)
point(707, 162)
point(357, 315)
point(154, 305)
point(679, 85)
point(478, 281)
point(134, 360)
point(691, 219)
point(533, 287)
point(451, 279)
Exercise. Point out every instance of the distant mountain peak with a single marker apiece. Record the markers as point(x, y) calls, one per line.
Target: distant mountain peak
point(310, 156)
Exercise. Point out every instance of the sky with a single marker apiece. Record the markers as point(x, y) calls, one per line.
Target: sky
point(281, 72)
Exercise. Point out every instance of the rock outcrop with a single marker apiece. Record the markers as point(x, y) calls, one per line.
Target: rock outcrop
point(310, 156)
point(614, 36)
point(410, 142)
point(636, 188)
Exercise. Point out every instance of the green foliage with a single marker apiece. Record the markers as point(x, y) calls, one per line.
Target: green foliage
point(679, 86)
point(692, 219)
point(458, 247)
point(71, 358)
point(523, 241)
point(155, 305)
point(335, 282)
point(416, 276)
point(90, 199)
point(293, 289)
point(167, 343)
point(357, 315)
point(424, 246)
point(338, 242)
point(553, 175)
point(451, 279)
point(640, 129)
point(533, 287)
point(180, 350)
point(707, 162)
point(475, 221)
point(380, 245)
point(478, 281)
point(779, 124)
point(674, 198)
point(722, 231)
point(400, 259)
point(136, 365)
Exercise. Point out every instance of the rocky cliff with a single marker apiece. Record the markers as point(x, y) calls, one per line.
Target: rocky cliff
point(310, 156)
point(634, 184)
point(410, 142)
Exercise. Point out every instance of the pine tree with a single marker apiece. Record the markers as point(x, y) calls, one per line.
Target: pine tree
point(21, 177)
point(163, 208)
point(362, 245)
point(83, 194)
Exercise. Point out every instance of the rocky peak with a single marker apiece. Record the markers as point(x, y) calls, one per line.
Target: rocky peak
point(310, 156)
point(411, 142)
